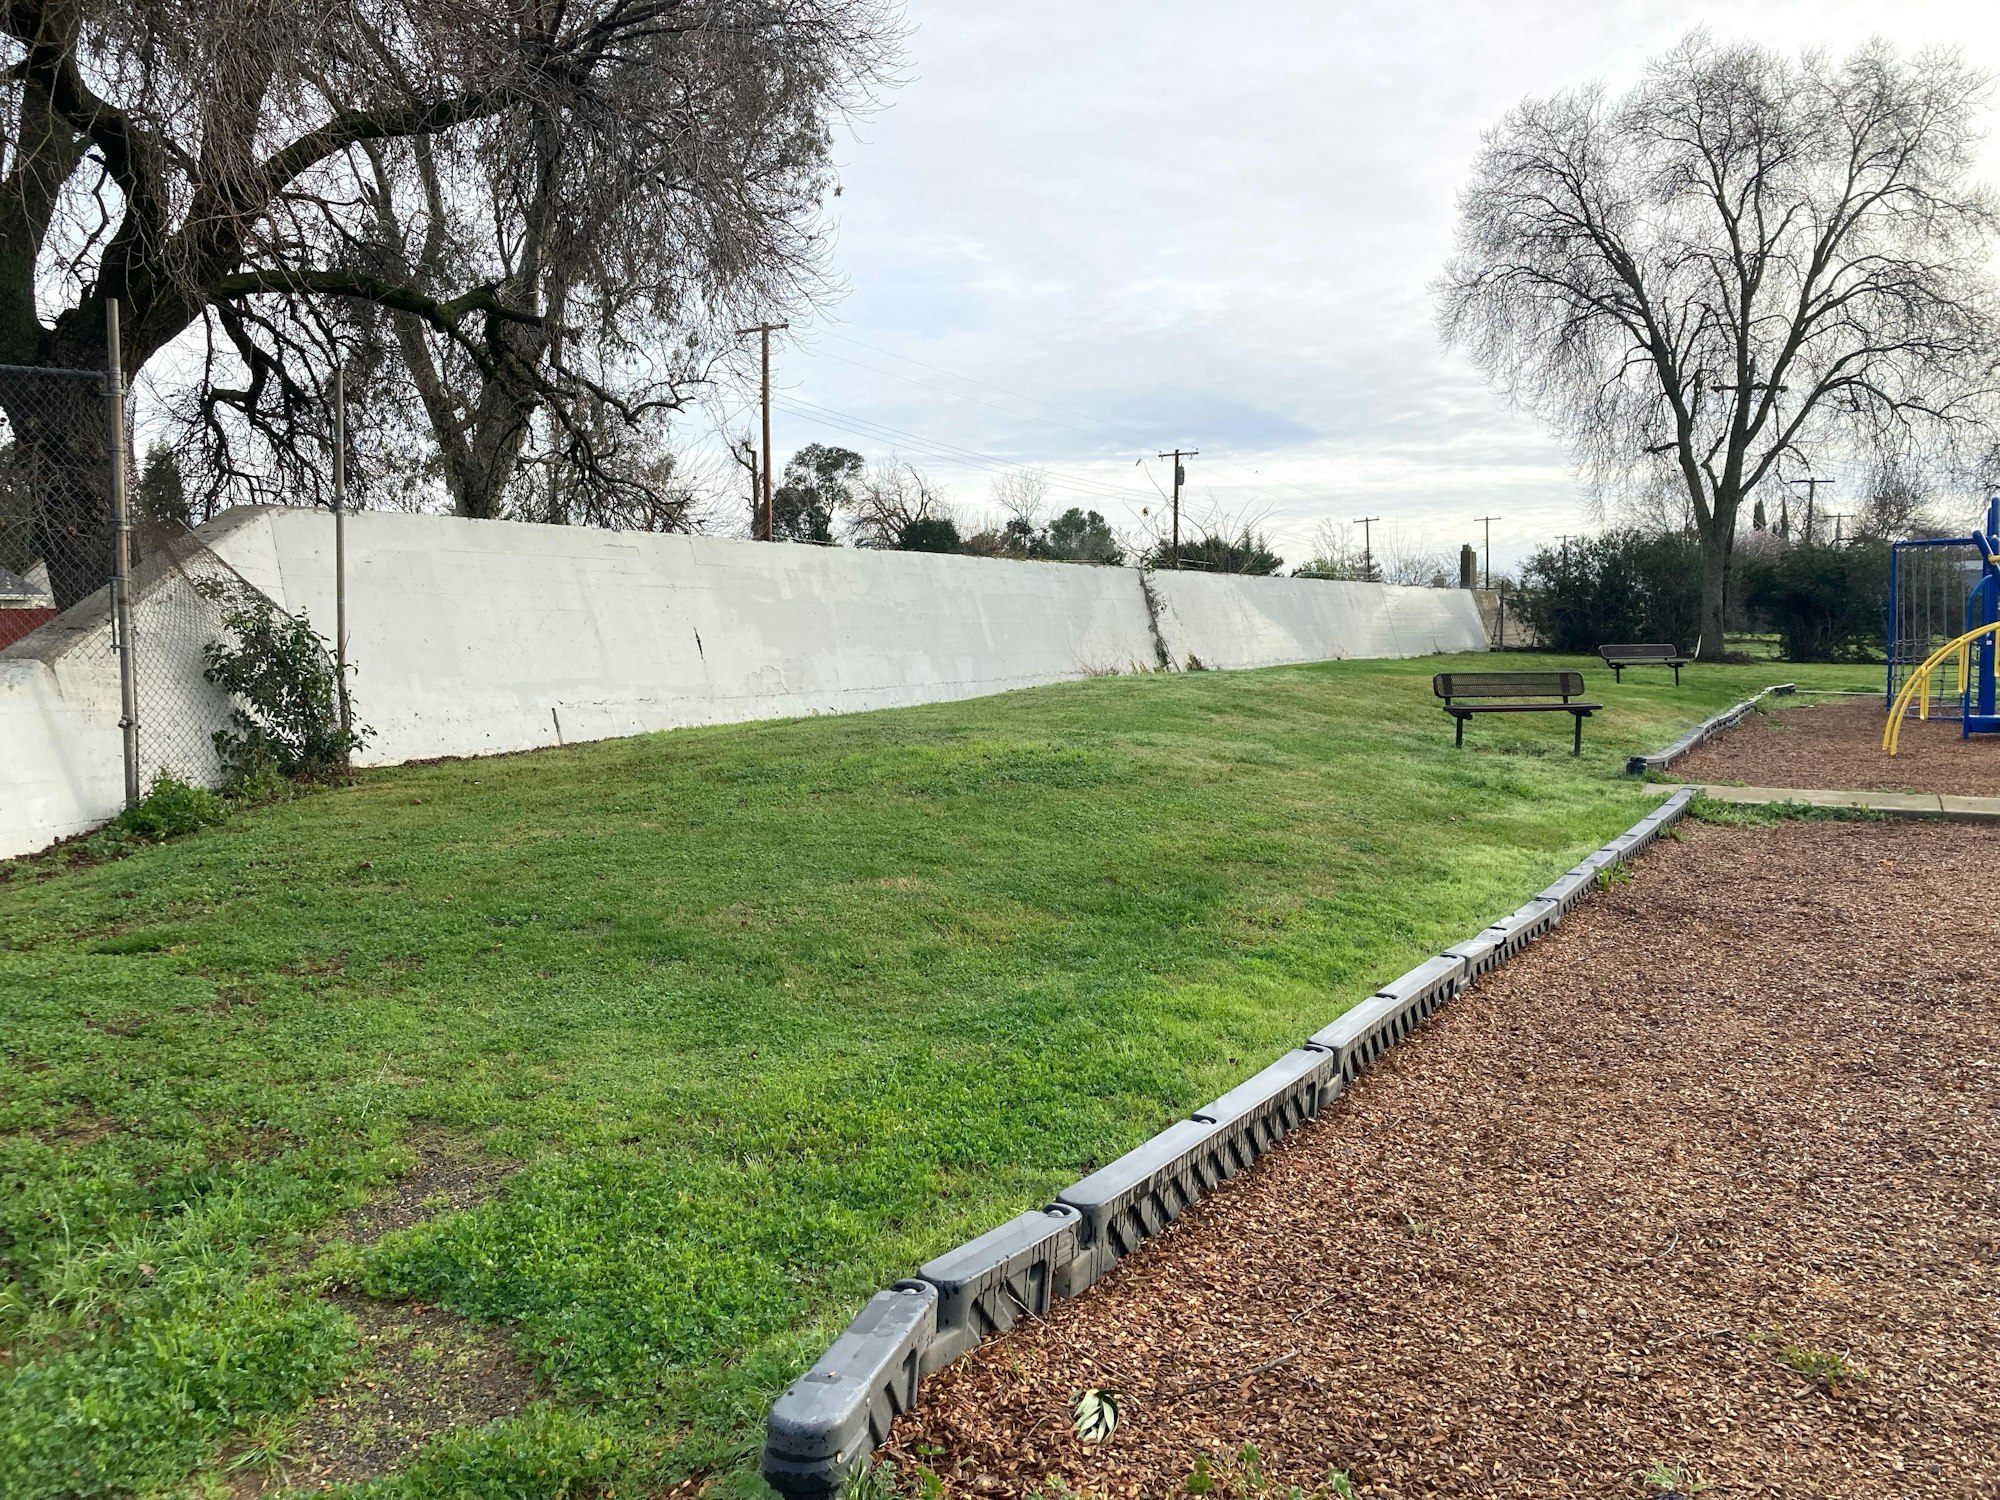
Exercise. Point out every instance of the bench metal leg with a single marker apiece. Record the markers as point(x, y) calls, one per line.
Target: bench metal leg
point(1460, 722)
point(1617, 671)
point(1579, 734)
point(1677, 676)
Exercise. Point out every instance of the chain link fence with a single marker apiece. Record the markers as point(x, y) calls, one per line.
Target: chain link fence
point(59, 558)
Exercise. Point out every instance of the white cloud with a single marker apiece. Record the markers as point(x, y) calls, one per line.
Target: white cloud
point(1214, 225)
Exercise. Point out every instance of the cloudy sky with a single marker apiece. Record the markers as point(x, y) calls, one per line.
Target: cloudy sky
point(1083, 232)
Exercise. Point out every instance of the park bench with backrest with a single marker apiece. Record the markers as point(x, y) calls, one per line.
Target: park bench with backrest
point(1618, 658)
point(1520, 692)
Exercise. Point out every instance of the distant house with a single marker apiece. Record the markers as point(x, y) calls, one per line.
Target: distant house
point(26, 601)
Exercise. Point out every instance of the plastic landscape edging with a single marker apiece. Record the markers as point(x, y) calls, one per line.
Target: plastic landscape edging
point(1705, 731)
point(833, 1417)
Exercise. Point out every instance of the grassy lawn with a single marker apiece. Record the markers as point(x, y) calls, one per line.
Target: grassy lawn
point(756, 1017)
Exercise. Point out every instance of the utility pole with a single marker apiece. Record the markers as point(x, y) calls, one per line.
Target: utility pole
point(1180, 478)
point(1487, 522)
point(1367, 547)
point(764, 332)
point(1812, 485)
point(1564, 539)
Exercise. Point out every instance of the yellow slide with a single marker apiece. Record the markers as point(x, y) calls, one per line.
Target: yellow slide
point(1920, 681)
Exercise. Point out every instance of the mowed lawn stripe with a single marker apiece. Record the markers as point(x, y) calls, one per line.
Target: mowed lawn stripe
point(767, 1014)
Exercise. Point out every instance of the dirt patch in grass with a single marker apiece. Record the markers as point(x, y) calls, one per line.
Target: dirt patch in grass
point(1838, 743)
point(450, 1174)
point(1700, 1186)
point(424, 1371)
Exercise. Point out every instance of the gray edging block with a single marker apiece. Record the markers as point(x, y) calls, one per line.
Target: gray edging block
point(1132, 1199)
point(1479, 953)
point(1364, 1032)
point(838, 1412)
point(1262, 1110)
point(985, 1284)
point(1705, 731)
point(1569, 889)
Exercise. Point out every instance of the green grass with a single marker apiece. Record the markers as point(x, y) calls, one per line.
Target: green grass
point(769, 1014)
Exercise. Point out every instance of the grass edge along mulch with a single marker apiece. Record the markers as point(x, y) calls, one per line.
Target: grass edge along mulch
point(1694, 1195)
point(764, 1015)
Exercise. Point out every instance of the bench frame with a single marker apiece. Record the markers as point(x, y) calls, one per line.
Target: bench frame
point(1618, 658)
point(1514, 685)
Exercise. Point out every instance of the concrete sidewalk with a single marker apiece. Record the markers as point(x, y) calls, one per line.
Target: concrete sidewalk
point(1898, 804)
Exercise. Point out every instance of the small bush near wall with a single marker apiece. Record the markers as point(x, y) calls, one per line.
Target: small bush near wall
point(1825, 603)
point(286, 722)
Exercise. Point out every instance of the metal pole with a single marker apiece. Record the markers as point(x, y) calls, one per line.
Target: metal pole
point(1180, 476)
point(1488, 521)
point(766, 331)
point(340, 551)
point(121, 555)
point(1367, 547)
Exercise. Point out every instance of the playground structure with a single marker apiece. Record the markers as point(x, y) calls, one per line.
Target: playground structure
point(1944, 631)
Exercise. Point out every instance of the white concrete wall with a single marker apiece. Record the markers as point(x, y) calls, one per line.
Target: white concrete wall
point(473, 637)
point(61, 770)
point(470, 637)
point(1228, 622)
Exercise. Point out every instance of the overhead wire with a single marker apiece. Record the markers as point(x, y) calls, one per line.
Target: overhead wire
point(944, 451)
point(1038, 401)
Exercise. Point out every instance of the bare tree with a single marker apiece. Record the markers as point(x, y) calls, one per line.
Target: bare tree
point(199, 162)
point(1747, 257)
point(1401, 557)
point(889, 500)
point(1336, 554)
point(1022, 498)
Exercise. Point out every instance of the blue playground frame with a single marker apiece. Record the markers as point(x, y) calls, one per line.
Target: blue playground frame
point(1978, 710)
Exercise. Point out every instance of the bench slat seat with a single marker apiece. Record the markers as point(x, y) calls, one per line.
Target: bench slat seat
point(1515, 689)
point(1656, 654)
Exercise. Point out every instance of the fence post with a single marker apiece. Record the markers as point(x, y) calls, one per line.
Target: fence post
point(340, 552)
point(121, 555)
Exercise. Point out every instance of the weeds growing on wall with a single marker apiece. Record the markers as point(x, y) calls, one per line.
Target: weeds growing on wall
point(286, 724)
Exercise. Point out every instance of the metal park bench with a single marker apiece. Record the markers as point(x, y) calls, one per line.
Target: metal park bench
point(1516, 688)
point(1618, 658)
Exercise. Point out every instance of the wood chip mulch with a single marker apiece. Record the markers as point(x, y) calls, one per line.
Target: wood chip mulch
point(1838, 743)
point(1739, 1115)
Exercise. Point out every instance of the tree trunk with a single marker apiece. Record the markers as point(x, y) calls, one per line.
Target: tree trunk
point(1715, 550)
point(61, 461)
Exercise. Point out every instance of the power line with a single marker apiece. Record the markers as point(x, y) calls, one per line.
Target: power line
point(939, 449)
point(947, 452)
point(1038, 401)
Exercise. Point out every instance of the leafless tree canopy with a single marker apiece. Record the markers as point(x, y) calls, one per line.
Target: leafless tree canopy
point(540, 195)
point(889, 500)
point(1749, 260)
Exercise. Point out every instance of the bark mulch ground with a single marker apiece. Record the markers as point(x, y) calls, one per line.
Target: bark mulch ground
point(1708, 1179)
point(1838, 743)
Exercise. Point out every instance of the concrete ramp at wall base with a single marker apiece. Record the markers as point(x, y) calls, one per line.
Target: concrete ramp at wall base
point(1228, 622)
point(477, 637)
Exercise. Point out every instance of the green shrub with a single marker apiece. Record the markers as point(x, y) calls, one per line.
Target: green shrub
point(286, 723)
point(170, 809)
point(1623, 586)
point(1825, 603)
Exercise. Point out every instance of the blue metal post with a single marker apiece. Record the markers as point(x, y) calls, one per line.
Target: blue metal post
point(1895, 565)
